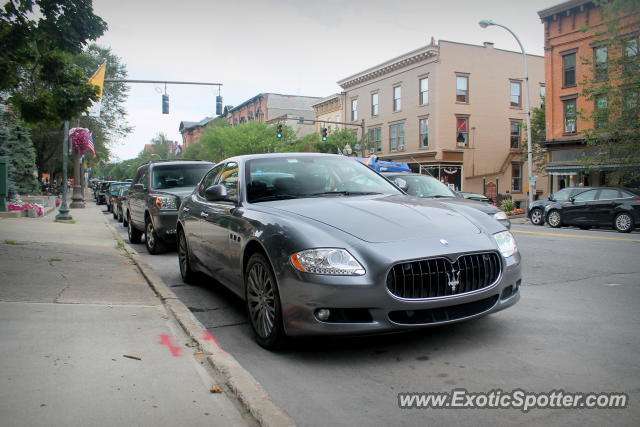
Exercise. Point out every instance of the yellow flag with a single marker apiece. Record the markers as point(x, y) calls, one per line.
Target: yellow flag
point(98, 78)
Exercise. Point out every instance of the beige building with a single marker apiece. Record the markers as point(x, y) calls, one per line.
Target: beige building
point(329, 109)
point(453, 110)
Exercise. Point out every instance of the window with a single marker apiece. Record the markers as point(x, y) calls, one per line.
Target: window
point(586, 196)
point(462, 133)
point(229, 178)
point(396, 137)
point(631, 104)
point(600, 61)
point(543, 93)
point(631, 55)
point(337, 120)
point(516, 134)
point(374, 104)
point(600, 111)
point(569, 109)
point(516, 177)
point(375, 140)
point(397, 98)
point(354, 110)
point(424, 133)
point(608, 194)
point(424, 91)
point(516, 94)
point(462, 89)
point(569, 70)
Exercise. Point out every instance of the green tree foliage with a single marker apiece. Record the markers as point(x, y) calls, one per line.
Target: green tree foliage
point(538, 136)
point(15, 143)
point(39, 39)
point(614, 92)
point(106, 129)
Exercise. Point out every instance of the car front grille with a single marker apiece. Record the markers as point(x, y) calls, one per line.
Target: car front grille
point(439, 277)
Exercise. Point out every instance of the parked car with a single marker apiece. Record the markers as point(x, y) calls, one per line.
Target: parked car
point(603, 206)
point(118, 211)
point(321, 244)
point(112, 194)
point(154, 198)
point(475, 196)
point(536, 210)
point(420, 185)
point(102, 192)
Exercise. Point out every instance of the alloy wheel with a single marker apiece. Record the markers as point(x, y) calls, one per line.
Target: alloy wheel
point(261, 300)
point(536, 217)
point(150, 236)
point(623, 223)
point(554, 219)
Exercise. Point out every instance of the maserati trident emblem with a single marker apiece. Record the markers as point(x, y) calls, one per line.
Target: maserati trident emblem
point(453, 278)
point(444, 242)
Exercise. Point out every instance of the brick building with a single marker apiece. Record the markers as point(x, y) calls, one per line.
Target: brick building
point(567, 44)
point(451, 109)
point(191, 131)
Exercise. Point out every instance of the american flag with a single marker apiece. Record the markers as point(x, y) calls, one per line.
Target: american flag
point(91, 146)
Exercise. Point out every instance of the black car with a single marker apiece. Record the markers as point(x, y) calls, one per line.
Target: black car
point(536, 210)
point(118, 203)
point(603, 206)
point(112, 194)
point(426, 186)
point(103, 191)
point(155, 195)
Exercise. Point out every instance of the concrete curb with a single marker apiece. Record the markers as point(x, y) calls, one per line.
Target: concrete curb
point(241, 383)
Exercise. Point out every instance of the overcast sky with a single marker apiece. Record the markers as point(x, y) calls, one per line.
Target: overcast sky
point(299, 47)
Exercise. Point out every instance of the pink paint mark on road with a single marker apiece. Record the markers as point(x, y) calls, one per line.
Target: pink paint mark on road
point(165, 340)
point(208, 337)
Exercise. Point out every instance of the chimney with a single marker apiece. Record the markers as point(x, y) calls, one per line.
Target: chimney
point(488, 45)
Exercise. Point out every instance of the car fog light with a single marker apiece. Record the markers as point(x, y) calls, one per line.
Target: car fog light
point(323, 314)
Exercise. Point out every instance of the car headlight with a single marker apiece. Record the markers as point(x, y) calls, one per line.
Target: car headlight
point(506, 243)
point(500, 216)
point(332, 261)
point(164, 202)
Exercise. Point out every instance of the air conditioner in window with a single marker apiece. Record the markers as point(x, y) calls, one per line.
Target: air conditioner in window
point(462, 144)
point(570, 128)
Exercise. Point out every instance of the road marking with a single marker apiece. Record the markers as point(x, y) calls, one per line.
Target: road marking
point(577, 237)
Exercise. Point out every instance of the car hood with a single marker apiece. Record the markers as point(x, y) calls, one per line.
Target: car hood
point(382, 219)
point(481, 206)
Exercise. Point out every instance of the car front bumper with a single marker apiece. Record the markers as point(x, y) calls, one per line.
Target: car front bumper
point(376, 310)
point(164, 223)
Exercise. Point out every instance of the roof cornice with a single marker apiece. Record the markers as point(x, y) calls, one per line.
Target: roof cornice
point(390, 66)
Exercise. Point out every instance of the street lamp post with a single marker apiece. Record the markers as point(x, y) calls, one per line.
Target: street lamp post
point(531, 179)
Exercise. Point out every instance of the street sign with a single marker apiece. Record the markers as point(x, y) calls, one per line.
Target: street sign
point(533, 179)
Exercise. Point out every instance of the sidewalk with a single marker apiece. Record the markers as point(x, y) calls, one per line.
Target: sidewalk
point(71, 306)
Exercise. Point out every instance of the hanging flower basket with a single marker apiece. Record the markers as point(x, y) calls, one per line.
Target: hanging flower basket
point(81, 140)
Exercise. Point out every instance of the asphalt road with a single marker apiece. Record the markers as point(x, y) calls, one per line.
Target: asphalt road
point(575, 329)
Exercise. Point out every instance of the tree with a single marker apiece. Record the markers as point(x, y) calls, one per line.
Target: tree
point(106, 129)
point(15, 143)
point(39, 39)
point(538, 137)
point(614, 91)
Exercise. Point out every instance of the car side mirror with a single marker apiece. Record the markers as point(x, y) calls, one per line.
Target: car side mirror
point(401, 184)
point(216, 193)
point(551, 199)
point(572, 199)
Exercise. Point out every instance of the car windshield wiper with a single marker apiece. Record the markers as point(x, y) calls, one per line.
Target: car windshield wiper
point(342, 193)
point(440, 196)
point(270, 198)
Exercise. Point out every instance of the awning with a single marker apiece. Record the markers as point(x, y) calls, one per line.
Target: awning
point(572, 170)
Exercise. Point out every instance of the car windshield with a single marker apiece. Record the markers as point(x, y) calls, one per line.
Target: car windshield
point(274, 178)
point(425, 186)
point(170, 176)
point(562, 195)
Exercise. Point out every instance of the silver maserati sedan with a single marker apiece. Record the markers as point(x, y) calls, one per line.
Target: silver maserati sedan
point(321, 244)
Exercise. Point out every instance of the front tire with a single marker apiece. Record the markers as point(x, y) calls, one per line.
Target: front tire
point(155, 245)
point(135, 235)
point(536, 217)
point(188, 275)
point(623, 223)
point(263, 303)
point(554, 219)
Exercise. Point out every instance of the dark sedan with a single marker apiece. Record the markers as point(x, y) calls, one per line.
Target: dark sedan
point(536, 210)
point(604, 206)
point(428, 187)
point(321, 244)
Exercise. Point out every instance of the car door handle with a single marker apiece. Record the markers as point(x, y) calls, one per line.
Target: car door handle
point(204, 214)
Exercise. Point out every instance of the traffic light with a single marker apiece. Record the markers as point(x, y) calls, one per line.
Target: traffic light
point(165, 104)
point(324, 134)
point(279, 132)
point(218, 105)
